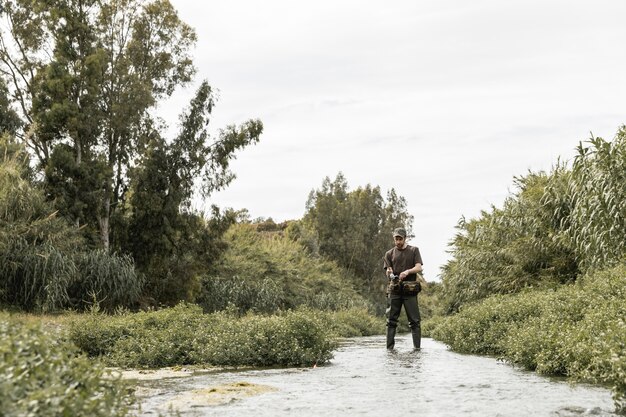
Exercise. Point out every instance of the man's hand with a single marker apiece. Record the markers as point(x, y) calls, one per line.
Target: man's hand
point(389, 271)
point(417, 268)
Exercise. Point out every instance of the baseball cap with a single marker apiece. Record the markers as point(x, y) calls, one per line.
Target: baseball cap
point(398, 231)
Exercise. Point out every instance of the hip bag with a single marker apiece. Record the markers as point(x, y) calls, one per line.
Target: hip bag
point(410, 287)
point(404, 287)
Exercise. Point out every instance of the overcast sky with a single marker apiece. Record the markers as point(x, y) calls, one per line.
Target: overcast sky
point(444, 100)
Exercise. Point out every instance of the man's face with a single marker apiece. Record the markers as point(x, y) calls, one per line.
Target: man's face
point(399, 241)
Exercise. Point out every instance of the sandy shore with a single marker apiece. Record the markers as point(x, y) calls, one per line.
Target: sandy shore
point(161, 373)
point(148, 386)
point(216, 395)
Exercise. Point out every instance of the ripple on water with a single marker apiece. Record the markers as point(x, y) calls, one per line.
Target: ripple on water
point(365, 379)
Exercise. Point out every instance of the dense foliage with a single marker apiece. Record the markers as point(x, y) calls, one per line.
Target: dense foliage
point(183, 335)
point(577, 330)
point(41, 375)
point(593, 208)
point(353, 228)
point(43, 260)
point(555, 227)
point(265, 271)
point(507, 249)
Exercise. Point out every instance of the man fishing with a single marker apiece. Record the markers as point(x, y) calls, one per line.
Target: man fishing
point(402, 263)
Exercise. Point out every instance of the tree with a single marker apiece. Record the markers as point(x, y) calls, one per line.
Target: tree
point(85, 74)
point(354, 228)
point(171, 243)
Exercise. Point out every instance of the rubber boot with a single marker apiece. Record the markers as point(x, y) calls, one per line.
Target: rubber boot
point(416, 333)
point(391, 337)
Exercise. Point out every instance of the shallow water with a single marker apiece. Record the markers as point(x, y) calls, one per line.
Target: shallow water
point(364, 379)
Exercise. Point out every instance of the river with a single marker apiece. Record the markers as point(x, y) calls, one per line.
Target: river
point(364, 379)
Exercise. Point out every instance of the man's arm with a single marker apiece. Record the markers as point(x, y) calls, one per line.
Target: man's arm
point(417, 268)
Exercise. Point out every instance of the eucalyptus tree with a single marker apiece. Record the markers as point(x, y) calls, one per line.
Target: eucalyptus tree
point(171, 244)
point(84, 75)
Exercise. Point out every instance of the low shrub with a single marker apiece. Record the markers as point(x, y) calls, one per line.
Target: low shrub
point(543, 342)
point(183, 335)
point(45, 377)
point(352, 322)
point(600, 345)
point(292, 338)
point(576, 330)
point(481, 328)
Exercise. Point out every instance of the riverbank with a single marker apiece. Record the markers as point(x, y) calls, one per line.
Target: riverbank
point(44, 374)
point(242, 390)
point(44, 355)
point(183, 335)
point(577, 331)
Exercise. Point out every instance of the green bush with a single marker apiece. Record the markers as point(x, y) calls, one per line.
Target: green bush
point(246, 294)
point(542, 343)
point(264, 271)
point(352, 322)
point(145, 339)
point(45, 377)
point(577, 330)
point(480, 328)
point(600, 347)
point(293, 338)
point(183, 335)
point(554, 228)
point(509, 249)
point(110, 278)
point(44, 264)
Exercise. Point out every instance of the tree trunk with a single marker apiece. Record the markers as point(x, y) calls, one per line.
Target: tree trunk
point(104, 222)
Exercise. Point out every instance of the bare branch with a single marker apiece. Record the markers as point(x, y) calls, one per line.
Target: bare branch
point(29, 65)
